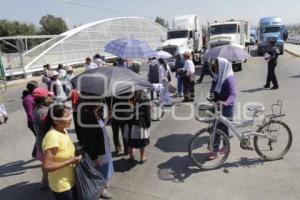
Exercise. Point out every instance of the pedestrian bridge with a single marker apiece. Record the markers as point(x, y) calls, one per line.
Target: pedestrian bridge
point(73, 46)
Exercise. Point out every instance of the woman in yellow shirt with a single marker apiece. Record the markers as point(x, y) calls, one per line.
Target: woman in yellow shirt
point(59, 154)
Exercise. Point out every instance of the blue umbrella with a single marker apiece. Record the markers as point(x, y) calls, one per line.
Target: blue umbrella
point(229, 52)
point(129, 48)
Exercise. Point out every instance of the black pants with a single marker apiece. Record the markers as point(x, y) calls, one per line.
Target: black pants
point(271, 76)
point(67, 195)
point(189, 88)
point(116, 125)
point(205, 71)
point(31, 127)
point(77, 128)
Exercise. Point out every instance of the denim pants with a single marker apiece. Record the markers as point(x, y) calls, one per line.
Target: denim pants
point(227, 112)
point(179, 84)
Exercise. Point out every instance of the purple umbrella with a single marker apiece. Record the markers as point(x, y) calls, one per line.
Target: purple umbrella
point(129, 48)
point(230, 52)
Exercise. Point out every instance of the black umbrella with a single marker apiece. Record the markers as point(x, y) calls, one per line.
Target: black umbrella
point(109, 81)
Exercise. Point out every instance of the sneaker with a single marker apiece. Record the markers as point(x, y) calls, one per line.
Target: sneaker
point(106, 195)
point(266, 86)
point(212, 155)
point(274, 88)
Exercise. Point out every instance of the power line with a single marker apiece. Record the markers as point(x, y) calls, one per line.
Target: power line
point(71, 2)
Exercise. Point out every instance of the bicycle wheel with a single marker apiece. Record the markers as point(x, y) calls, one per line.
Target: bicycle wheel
point(273, 150)
point(200, 148)
point(157, 111)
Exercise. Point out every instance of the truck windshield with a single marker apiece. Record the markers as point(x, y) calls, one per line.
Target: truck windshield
point(271, 29)
point(223, 29)
point(177, 34)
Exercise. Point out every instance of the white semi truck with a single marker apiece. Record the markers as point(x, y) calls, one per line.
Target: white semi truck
point(185, 35)
point(232, 32)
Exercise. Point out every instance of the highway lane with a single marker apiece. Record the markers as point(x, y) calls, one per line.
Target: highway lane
point(169, 174)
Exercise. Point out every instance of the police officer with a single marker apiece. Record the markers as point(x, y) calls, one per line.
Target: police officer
point(272, 63)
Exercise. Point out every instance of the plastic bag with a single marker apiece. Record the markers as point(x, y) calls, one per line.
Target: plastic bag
point(89, 181)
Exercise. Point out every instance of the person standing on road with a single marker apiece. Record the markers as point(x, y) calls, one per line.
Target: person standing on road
point(98, 60)
point(69, 75)
point(189, 78)
point(164, 79)
point(89, 64)
point(153, 74)
point(42, 99)
point(57, 88)
point(46, 75)
point(119, 104)
point(223, 90)
point(179, 65)
point(28, 104)
point(95, 141)
point(137, 128)
point(205, 71)
point(272, 63)
point(59, 160)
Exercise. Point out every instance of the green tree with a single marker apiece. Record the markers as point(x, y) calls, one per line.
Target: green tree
point(13, 28)
point(52, 25)
point(162, 22)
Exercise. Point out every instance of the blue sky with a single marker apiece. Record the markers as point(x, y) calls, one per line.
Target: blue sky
point(77, 12)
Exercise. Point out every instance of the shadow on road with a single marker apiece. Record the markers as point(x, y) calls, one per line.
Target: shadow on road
point(296, 76)
point(25, 190)
point(16, 168)
point(174, 143)
point(254, 90)
point(243, 162)
point(177, 169)
point(123, 165)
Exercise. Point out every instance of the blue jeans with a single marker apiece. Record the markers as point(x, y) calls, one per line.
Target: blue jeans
point(179, 84)
point(228, 113)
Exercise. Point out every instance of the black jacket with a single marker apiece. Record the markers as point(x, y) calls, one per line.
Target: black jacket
point(92, 137)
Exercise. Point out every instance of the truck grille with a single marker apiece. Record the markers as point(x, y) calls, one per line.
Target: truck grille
point(269, 39)
point(213, 45)
point(169, 49)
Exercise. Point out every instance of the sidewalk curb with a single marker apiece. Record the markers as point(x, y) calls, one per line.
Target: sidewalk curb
point(292, 53)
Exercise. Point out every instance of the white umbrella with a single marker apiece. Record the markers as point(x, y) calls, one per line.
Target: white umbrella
point(163, 54)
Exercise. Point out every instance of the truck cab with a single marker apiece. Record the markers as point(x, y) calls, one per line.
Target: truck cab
point(230, 32)
point(271, 29)
point(185, 35)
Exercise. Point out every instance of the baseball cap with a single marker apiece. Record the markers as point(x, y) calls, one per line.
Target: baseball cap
point(41, 92)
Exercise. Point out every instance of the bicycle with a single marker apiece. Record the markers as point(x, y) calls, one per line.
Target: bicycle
point(265, 138)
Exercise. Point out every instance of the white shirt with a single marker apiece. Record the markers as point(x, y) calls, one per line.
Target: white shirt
point(163, 74)
point(189, 67)
point(99, 62)
point(90, 66)
point(61, 95)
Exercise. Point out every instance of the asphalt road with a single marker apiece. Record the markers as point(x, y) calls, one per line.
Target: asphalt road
point(169, 174)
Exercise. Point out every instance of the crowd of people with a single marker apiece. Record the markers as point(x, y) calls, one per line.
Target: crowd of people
point(50, 112)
